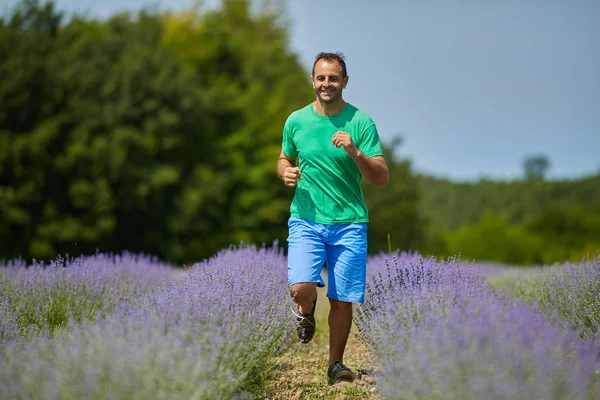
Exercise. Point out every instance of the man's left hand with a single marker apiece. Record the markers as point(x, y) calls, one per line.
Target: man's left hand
point(343, 139)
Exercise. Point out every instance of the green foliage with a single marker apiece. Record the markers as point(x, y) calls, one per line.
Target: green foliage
point(449, 205)
point(535, 167)
point(153, 133)
point(159, 133)
point(156, 133)
point(569, 233)
point(519, 222)
point(249, 91)
point(395, 221)
point(92, 167)
point(494, 238)
point(555, 235)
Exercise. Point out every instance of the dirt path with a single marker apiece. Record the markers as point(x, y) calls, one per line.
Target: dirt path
point(301, 372)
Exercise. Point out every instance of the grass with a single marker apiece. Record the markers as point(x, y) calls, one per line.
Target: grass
point(301, 372)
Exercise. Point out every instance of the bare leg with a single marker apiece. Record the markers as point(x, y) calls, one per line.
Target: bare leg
point(304, 294)
point(340, 322)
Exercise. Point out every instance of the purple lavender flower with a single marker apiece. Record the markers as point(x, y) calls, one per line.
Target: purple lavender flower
point(204, 334)
point(571, 296)
point(438, 330)
point(42, 296)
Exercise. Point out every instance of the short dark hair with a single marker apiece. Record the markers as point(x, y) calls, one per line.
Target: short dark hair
point(339, 57)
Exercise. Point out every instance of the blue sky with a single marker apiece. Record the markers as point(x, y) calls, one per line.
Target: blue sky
point(472, 87)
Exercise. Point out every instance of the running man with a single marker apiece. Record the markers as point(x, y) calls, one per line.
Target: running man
point(336, 145)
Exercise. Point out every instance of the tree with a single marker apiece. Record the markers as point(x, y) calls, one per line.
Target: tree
point(149, 133)
point(394, 210)
point(494, 238)
point(249, 91)
point(568, 231)
point(29, 124)
point(536, 167)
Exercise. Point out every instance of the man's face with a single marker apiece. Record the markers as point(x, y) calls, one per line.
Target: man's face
point(327, 81)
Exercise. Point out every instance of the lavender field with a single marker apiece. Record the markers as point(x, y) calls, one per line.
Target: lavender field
point(440, 330)
point(128, 327)
point(131, 327)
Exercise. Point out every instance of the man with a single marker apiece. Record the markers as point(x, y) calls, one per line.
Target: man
point(336, 145)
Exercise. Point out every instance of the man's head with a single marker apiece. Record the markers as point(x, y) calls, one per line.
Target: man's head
point(329, 76)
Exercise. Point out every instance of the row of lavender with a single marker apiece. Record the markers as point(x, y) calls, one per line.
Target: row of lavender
point(130, 327)
point(440, 331)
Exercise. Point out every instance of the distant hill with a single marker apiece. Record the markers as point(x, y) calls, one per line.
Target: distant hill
point(449, 205)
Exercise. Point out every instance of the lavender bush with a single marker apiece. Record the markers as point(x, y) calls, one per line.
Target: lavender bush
point(42, 297)
point(524, 283)
point(567, 294)
point(204, 335)
point(439, 331)
point(121, 357)
point(571, 296)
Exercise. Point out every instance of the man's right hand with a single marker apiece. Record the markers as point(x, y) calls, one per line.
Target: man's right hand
point(291, 176)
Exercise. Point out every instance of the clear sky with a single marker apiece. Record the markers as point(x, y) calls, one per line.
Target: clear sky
point(472, 87)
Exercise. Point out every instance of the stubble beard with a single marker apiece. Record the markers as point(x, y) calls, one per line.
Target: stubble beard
point(336, 96)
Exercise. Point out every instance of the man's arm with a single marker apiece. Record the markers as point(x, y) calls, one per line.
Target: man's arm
point(373, 169)
point(286, 170)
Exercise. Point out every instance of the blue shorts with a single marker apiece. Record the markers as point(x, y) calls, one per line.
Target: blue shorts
point(344, 247)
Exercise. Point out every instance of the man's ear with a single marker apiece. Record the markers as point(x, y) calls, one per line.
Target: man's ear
point(345, 81)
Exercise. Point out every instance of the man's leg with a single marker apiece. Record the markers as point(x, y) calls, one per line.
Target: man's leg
point(340, 322)
point(346, 271)
point(304, 294)
point(306, 255)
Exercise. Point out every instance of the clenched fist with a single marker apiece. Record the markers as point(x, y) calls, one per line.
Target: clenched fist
point(291, 176)
point(343, 139)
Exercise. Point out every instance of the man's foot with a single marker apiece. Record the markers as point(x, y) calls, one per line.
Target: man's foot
point(306, 325)
point(339, 372)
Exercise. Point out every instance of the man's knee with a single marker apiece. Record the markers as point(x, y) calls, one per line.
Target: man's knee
point(304, 291)
point(337, 305)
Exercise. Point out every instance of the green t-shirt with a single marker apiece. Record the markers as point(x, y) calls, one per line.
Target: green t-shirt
point(329, 191)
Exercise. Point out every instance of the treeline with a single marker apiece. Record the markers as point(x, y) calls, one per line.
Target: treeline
point(159, 133)
point(530, 221)
point(449, 205)
point(153, 133)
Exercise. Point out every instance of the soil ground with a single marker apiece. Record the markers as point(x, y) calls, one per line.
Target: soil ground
point(301, 372)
